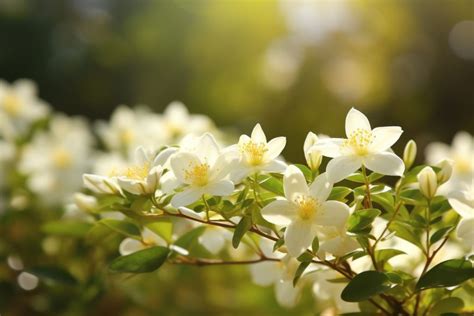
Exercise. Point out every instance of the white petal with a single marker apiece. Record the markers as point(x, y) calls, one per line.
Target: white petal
point(286, 294)
point(169, 182)
point(180, 162)
point(385, 163)
point(436, 152)
point(294, 183)
point(385, 137)
point(100, 184)
point(162, 158)
point(465, 231)
point(298, 237)
point(129, 245)
point(240, 172)
point(310, 140)
point(212, 240)
point(339, 246)
point(207, 148)
point(190, 213)
point(153, 178)
point(332, 213)
point(279, 212)
point(274, 166)
point(141, 156)
point(185, 198)
point(341, 167)
point(223, 166)
point(463, 144)
point(330, 147)
point(355, 120)
point(321, 187)
point(275, 147)
point(220, 188)
point(265, 273)
point(463, 209)
point(258, 136)
point(132, 186)
point(151, 237)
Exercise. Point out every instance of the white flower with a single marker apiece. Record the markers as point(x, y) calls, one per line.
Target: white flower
point(335, 241)
point(202, 170)
point(149, 239)
point(461, 153)
point(19, 107)
point(214, 238)
point(462, 201)
point(144, 176)
point(304, 209)
point(256, 154)
point(130, 128)
point(177, 122)
point(55, 159)
point(363, 146)
point(278, 273)
point(312, 155)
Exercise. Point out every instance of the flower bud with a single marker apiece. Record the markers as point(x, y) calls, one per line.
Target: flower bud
point(86, 203)
point(409, 154)
point(446, 171)
point(428, 182)
point(312, 155)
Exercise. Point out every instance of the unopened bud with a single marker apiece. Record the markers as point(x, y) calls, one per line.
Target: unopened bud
point(446, 171)
point(84, 202)
point(312, 155)
point(409, 154)
point(428, 182)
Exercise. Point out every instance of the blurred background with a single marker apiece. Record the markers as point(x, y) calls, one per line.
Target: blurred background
point(294, 66)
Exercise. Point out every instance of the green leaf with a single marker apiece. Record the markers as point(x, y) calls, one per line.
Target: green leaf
point(447, 305)
point(440, 233)
point(164, 229)
point(413, 197)
point(356, 177)
point(186, 240)
point(305, 257)
point(300, 270)
point(308, 174)
point(315, 244)
point(365, 285)
point(375, 176)
point(53, 274)
point(339, 193)
point(447, 273)
point(362, 219)
point(385, 200)
point(146, 260)
point(271, 184)
point(97, 234)
point(278, 243)
point(385, 254)
point(62, 228)
point(242, 227)
point(123, 227)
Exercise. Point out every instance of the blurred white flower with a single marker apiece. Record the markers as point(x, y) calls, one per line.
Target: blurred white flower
point(334, 240)
point(214, 238)
point(201, 169)
point(19, 107)
point(462, 201)
point(55, 159)
point(149, 239)
point(312, 155)
point(256, 154)
point(304, 209)
point(363, 146)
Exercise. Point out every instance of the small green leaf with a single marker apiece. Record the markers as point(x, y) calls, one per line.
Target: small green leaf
point(305, 257)
point(356, 177)
point(278, 243)
point(339, 193)
point(62, 228)
point(375, 176)
point(440, 233)
point(242, 227)
point(362, 219)
point(53, 274)
point(447, 273)
point(146, 260)
point(300, 270)
point(308, 174)
point(315, 244)
point(123, 227)
point(365, 285)
point(271, 184)
point(186, 240)
point(164, 229)
point(413, 197)
point(385, 254)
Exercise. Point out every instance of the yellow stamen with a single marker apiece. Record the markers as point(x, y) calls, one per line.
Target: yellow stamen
point(127, 136)
point(138, 172)
point(11, 104)
point(197, 174)
point(359, 141)
point(307, 207)
point(254, 152)
point(62, 158)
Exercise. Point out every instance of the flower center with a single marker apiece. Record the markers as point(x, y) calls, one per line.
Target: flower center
point(127, 136)
point(254, 152)
point(307, 207)
point(138, 172)
point(11, 104)
point(462, 165)
point(197, 174)
point(359, 140)
point(62, 158)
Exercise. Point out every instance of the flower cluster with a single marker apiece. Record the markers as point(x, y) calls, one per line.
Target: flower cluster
point(178, 191)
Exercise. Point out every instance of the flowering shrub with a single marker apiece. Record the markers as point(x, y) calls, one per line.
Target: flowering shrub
point(371, 232)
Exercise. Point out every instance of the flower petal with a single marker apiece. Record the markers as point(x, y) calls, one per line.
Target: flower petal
point(181, 161)
point(129, 245)
point(332, 213)
point(275, 147)
point(132, 186)
point(321, 187)
point(298, 237)
point(385, 163)
point(185, 198)
point(274, 166)
point(329, 147)
point(162, 158)
point(258, 136)
point(220, 188)
point(465, 232)
point(279, 212)
point(356, 120)
point(286, 294)
point(212, 239)
point(207, 148)
point(385, 137)
point(339, 246)
point(294, 183)
point(265, 273)
point(341, 167)
point(223, 165)
point(463, 209)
